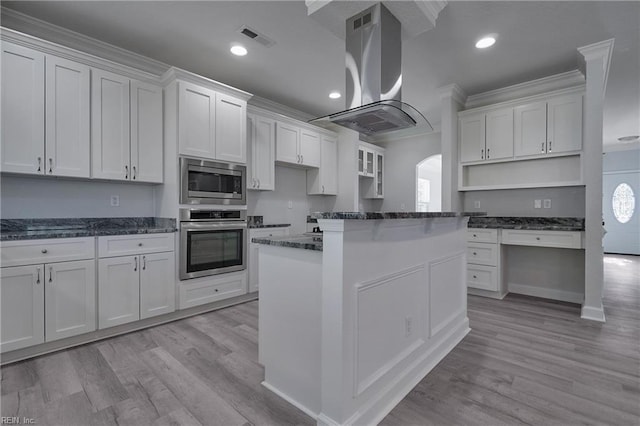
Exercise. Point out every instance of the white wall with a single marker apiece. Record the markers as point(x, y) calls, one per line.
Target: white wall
point(401, 158)
point(33, 197)
point(627, 161)
point(291, 185)
point(565, 202)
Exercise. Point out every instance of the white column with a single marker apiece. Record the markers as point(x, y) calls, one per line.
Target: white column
point(597, 59)
point(452, 99)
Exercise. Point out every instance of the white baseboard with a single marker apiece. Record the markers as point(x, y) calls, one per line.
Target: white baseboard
point(593, 313)
point(486, 293)
point(547, 293)
point(291, 401)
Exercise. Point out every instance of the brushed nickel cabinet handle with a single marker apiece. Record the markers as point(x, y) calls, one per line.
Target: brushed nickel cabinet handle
point(126, 172)
point(482, 154)
point(302, 158)
point(50, 274)
point(144, 263)
point(323, 189)
point(488, 151)
point(39, 164)
point(135, 268)
point(50, 165)
point(134, 173)
point(258, 183)
point(549, 146)
point(38, 279)
point(542, 147)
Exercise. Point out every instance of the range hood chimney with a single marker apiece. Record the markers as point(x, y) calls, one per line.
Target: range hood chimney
point(374, 76)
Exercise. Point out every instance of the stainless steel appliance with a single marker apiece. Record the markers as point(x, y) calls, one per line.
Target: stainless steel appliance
point(211, 182)
point(212, 242)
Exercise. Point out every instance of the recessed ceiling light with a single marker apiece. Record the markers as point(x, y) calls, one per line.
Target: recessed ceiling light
point(335, 95)
point(629, 138)
point(238, 50)
point(485, 42)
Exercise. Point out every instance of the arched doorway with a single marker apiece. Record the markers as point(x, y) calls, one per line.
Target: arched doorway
point(429, 184)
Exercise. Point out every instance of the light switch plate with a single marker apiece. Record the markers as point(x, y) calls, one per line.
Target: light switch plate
point(547, 203)
point(115, 201)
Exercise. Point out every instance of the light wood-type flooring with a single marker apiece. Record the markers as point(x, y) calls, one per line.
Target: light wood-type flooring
point(526, 361)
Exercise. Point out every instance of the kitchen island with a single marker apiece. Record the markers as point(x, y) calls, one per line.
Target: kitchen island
point(349, 325)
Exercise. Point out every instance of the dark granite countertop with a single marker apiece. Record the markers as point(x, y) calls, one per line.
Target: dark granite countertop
point(530, 223)
point(390, 215)
point(31, 229)
point(268, 225)
point(305, 242)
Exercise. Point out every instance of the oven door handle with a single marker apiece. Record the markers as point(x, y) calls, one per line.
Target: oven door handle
point(200, 226)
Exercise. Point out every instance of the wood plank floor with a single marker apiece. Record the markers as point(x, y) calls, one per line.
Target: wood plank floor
point(526, 361)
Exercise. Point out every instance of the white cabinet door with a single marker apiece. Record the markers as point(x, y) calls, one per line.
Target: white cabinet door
point(329, 165)
point(70, 299)
point(472, 137)
point(67, 146)
point(22, 303)
point(530, 129)
point(564, 123)
point(499, 134)
point(118, 291)
point(379, 177)
point(22, 92)
point(309, 148)
point(369, 162)
point(157, 284)
point(196, 120)
point(263, 154)
point(146, 133)
point(287, 142)
point(110, 137)
point(231, 129)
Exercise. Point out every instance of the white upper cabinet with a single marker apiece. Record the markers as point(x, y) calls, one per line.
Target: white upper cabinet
point(22, 110)
point(67, 146)
point(564, 123)
point(146, 133)
point(530, 129)
point(309, 148)
point(366, 160)
point(372, 159)
point(296, 145)
point(262, 154)
point(231, 129)
point(486, 136)
point(110, 136)
point(472, 137)
point(550, 126)
point(324, 181)
point(287, 143)
point(196, 120)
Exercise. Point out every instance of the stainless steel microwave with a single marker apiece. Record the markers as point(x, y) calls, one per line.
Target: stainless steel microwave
point(211, 182)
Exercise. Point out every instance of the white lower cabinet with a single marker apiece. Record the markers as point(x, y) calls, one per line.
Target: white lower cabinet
point(48, 292)
point(483, 259)
point(22, 295)
point(138, 286)
point(253, 252)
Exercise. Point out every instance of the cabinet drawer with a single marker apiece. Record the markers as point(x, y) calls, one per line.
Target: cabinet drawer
point(268, 232)
point(31, 252)
point(482, 277)
point(559, 239)
point(481, 235)
point(211, 289)
point(123, 245)
point(482, 254)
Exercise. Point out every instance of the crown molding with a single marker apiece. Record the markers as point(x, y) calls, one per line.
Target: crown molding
point(35, 27)
point(601, 50)
point(551, 83)
point(453, 91)
point(174, 73)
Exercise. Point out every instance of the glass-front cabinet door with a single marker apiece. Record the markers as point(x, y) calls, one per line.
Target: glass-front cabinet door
point(379, 181)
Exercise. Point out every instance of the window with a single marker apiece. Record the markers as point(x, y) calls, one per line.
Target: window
point(623, 202)
point(422, 202)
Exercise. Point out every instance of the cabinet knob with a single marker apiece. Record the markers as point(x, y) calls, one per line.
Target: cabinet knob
point(139, 244)
point(475, 254)
point(475, 276)
point(538, 238)
point(475, 236)
point(216, 290)
point(44, 251)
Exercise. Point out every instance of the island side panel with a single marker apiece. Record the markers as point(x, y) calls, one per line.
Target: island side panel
point(402, 308)
point(289, 324)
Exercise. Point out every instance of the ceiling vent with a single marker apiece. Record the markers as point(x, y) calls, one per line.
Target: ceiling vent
point(256, 36)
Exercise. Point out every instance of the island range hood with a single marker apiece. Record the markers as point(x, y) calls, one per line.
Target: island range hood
point(374, 77)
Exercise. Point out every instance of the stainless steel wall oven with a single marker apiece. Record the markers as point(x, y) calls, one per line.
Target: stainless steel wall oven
point(211, 182)
point(212, 242)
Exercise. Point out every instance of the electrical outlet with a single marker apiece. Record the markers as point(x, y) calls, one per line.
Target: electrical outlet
point(547, 203)
point(537, 204)
point(408, 324)
point(476, 204)
point(115, 201)
point(290, 204)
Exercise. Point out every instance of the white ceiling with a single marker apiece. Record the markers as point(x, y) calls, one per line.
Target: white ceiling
point(535, 39)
